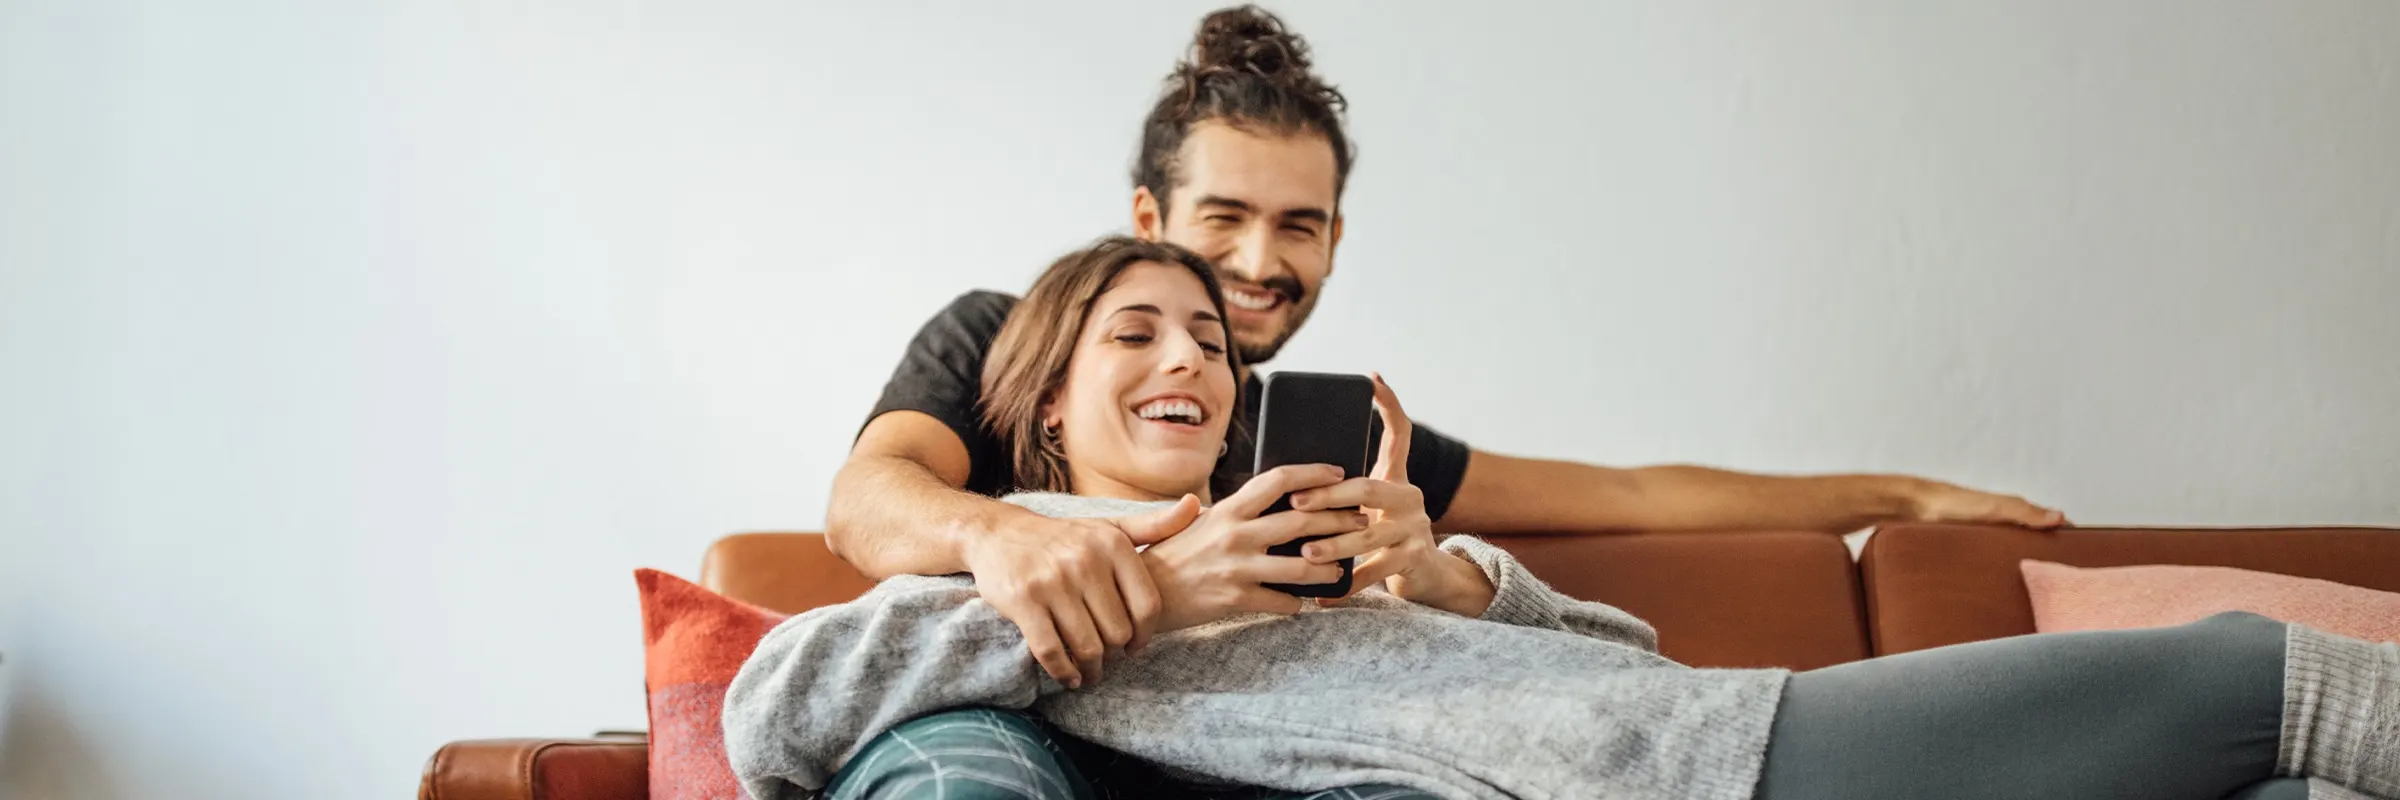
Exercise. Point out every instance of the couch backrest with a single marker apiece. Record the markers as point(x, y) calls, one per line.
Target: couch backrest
point(787, 572)
point(1718, 599)
point(1744, 599)
point(1934, 585)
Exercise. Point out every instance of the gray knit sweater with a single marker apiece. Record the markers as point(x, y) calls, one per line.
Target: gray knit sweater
point(1544, 696)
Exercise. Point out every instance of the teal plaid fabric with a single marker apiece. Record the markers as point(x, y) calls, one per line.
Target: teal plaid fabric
point(988, 754)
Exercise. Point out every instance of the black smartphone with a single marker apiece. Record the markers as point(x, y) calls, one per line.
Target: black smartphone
point(1314, 418)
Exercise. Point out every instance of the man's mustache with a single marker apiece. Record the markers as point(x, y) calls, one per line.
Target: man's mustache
point(1287, 285)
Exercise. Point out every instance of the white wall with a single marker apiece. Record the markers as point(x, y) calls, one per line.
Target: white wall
point(355, 353)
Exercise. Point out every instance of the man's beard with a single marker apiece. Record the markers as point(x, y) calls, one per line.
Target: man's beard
point(1298, 303)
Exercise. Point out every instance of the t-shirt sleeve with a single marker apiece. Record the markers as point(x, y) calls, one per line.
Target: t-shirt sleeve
point(1437, 464)
point(941, 375)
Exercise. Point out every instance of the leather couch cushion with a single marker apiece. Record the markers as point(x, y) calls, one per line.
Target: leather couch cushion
point(1746, 599)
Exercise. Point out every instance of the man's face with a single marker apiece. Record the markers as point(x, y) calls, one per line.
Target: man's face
point(1261, 208)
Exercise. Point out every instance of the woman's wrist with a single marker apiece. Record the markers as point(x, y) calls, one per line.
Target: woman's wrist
point(1175, 611)
point(1449, 583)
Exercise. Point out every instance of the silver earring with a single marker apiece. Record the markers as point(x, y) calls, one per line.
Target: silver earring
point(1221, 448)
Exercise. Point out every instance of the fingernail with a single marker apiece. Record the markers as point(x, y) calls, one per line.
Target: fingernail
point(1074, 683)
point(1311, 552)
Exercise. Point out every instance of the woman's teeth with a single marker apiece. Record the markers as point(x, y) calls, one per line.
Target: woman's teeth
point(1248, 300)
point(1183, 411)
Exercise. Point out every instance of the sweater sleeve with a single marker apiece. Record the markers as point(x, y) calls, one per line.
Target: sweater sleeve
point(1521, 599)
point(823, 683)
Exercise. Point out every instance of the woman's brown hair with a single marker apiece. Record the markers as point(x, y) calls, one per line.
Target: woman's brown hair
point(1028, 361)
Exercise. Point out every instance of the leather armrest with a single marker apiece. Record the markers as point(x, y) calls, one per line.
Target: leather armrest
point(611, 768)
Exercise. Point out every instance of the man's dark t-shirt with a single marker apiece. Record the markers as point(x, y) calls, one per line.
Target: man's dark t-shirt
point(942, 375)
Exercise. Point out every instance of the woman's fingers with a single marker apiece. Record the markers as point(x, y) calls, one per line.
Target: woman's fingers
point(1262, 600)
point(1259, 534)
point(1254, 497)
point(1280, 569)
point(1372, 570)
point(1391, 462)
point(1357, 543)
point(1382, 495)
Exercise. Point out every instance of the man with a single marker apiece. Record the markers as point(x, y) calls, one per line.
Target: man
point(1243, 160)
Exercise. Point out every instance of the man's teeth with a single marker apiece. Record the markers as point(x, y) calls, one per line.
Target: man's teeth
point(1254, 301)
point(1184, 411)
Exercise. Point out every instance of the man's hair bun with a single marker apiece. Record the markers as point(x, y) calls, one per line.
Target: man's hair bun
point(1248, 39)
point(1246, 70)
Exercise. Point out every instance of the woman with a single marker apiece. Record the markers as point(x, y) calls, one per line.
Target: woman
point(1454, 672)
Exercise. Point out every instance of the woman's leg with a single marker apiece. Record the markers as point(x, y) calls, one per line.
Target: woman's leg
point(2194, 711)
point(2297, 789)
point(989, 754)
point(975, 754)
point(1345, 793)
point(2274, 789)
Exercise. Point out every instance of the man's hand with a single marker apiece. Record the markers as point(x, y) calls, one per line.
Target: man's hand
point(1075, 586)
point(1397, 548)
point(1935, 501)
point(1215, 569)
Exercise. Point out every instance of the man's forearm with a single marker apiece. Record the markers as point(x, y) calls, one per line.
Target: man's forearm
point(1704, 498)
point(1503, 494)
point(892, 516)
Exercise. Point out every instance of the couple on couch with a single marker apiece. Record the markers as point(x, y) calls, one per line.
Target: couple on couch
point(1109, 402)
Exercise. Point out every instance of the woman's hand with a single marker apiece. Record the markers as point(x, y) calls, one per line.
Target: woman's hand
point(1214, 569)
point(1397, 547)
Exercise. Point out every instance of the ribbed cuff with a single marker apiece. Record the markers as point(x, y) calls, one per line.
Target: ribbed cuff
point(2341, 711)
point(1518, 598)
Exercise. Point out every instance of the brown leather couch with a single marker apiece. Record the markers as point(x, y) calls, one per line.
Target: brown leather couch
point(1745, 599)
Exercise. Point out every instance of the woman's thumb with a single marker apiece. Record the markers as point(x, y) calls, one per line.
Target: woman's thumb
point(1155, 526)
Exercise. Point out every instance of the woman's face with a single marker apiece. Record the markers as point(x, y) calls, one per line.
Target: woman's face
point(1149, 391)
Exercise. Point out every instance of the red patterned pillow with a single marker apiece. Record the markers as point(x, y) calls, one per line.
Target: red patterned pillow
point(694, 640)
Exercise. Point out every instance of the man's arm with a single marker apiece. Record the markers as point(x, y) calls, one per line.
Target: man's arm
point(1076, 587)
point(897, 506)
point(1505, 494)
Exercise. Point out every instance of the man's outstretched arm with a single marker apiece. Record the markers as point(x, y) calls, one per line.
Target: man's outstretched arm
point(1504, 494)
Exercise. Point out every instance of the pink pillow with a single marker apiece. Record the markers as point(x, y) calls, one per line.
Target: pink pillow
point(2110, 598)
